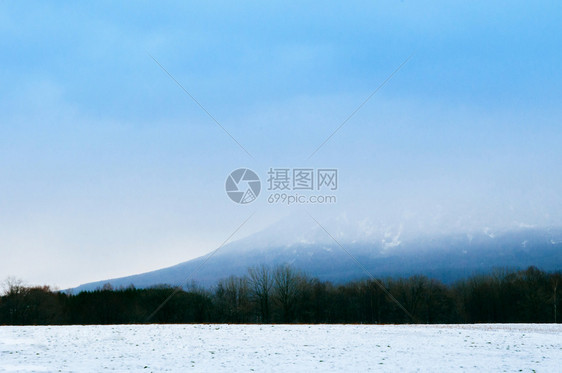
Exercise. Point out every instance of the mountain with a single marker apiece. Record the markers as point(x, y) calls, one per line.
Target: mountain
point(383, 251)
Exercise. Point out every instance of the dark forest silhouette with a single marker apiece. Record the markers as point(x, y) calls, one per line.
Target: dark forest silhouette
point(283, 295)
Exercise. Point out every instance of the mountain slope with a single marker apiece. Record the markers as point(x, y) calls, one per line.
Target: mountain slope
point(444, 257)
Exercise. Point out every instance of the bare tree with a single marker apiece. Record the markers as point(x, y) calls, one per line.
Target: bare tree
point(261, 282)
point(13, 286)
point(14, 299)
point(234, 294)
point(555, 281)
point(286, 289)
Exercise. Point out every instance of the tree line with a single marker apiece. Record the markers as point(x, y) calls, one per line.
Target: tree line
point(285, 295)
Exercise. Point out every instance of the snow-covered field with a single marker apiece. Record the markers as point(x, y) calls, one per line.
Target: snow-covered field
point(245, 348)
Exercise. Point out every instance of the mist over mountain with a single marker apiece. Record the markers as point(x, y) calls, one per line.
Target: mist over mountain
point(384, 250)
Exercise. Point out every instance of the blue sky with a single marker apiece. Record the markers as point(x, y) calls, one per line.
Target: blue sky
point(107, 168)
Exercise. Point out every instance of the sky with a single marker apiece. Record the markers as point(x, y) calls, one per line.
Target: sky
point(109, 168)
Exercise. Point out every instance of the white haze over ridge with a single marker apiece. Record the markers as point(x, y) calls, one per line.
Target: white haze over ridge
point(299, 229)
